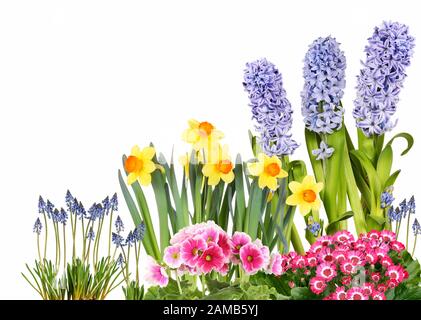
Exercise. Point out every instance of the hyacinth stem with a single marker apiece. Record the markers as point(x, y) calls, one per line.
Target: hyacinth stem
point(86, 258)
point(74, 239)
point(64, 247)
point(46, 237)
point(296, 241)
point(39, 251)
point(136, 255)
point(109, 233)
point(407, 229)
point(415, 244)
point(85, 234)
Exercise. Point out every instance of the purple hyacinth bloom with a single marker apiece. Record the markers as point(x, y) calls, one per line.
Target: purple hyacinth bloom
point(139, 231)
point(386, 199)
point(270, 107)
point(324, 75)
point(37, 226)
point(41, 205)
point(114, 202)
point(388, 53)
point(90, 235)
point(324, 152)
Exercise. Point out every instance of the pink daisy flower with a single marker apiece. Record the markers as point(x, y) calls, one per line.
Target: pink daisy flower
point(374, 235)
point(172, 256)
point(375, 276)
point(371, 257)
point(380, 253)
point(191, 249)
point(346, 280)
point(395, 273)
point(392, 283)
point(326, 271)
point(386, 261)
point(397, 246)
point(211, 259)
point(388, 236)
point(311, 259)
point(376, 295)
point(238, 240)
point(356, 293)
point(355, 257)
point(359, 245)
point(339, 256)
point(340, 294)
point(343, 237)
point(325, 255)
point(325, 240)
point(317, 285)
point(298, 262)
point(347, 267)
point(316, 247)
point(252, 258)
point(156, 274)
point(368, 289)
point(381, 287)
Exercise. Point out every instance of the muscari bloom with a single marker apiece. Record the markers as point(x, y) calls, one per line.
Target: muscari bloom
point(41, 205)
point(416, 227)
point(403, 207)
point(69, 200)
point(114, 202)
point(139, 165)
point(268, 169)
point(139, 232)
point(324, 75)
point(49, 209)
point(314, 228)
point(386, 199)
point(37, 226)
point(130, 240)
point(324, 152)
point(118, 240)
point(305, 194)
point(120, 260)
point(270, 107)
point(90, 235)
point(106, 204)
point(411, 205)
point(119, 226)
point(63, 216)
point(388, 54)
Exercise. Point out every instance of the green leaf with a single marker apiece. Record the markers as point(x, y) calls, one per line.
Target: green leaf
point(373, 178)
point(158, 185)
point(312, 143)
point(303, 293)
point(260, 292)
point(391, 180)
point(409, 294)
point(409, 139)
point(384, 164)
point(228, 293)
point(343, 217)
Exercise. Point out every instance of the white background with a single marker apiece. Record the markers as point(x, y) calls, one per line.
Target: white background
point(83, 81)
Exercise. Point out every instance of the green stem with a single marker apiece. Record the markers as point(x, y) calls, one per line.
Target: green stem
point(46, 237)
point(407, 229)
point(415, 244)
point(109, 233)
point(39, 251)
point(296, 241)
point(178, 283)
point(64, 248)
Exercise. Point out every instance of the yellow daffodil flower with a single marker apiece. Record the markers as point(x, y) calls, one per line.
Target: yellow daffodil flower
point(139, 165)
point(222, 168)
point(305, 194)
point(268, 169)
point(202, 135)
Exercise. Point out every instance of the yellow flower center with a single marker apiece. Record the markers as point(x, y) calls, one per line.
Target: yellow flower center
point(133, 164)
point(208, 257)
point(206, 128)
point(224, 166)
point(194, 251)
point(249, 258)
point(272, 169)
point(309, 195)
